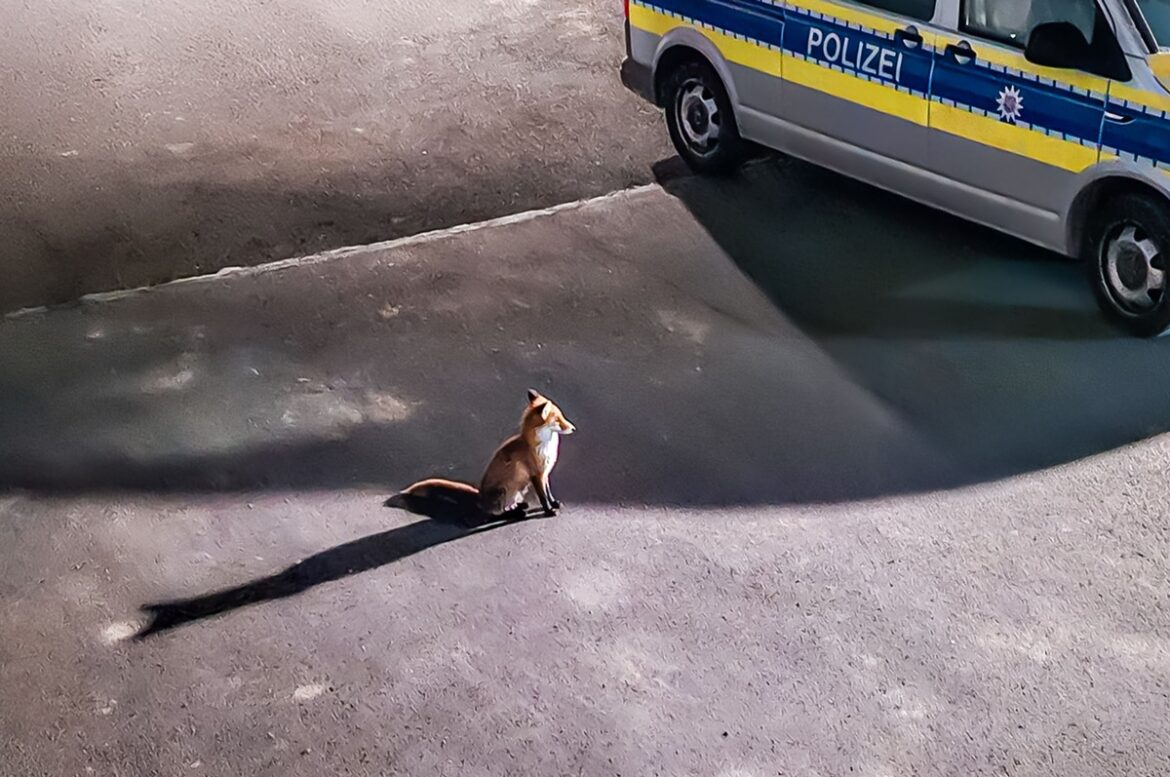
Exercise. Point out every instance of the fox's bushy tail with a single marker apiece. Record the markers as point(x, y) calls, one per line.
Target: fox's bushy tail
point(426, 496)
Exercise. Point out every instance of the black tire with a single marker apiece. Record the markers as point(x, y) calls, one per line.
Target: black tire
point(1124, 234)
point(728, 151)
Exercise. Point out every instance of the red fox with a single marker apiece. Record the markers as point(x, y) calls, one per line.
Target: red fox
point(524, 461)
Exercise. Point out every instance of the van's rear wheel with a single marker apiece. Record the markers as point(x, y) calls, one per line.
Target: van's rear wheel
point(1128, 261)
point(701, 120)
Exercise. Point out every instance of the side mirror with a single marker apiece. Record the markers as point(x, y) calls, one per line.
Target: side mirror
point(1057, 44)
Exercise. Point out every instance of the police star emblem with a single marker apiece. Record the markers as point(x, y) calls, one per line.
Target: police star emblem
point(1011, 104)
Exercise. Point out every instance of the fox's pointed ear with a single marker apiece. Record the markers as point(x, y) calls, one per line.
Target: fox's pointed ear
point(534, 395)
point(545, 410)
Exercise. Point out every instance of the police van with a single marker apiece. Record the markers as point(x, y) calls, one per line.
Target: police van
point(1046, 119)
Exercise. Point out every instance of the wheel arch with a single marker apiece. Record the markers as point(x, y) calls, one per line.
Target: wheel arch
point(684, 44)
point(1109, 183)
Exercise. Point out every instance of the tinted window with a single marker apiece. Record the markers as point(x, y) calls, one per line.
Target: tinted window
point(1012, 21)
point(1157, 13)
point(922, 10)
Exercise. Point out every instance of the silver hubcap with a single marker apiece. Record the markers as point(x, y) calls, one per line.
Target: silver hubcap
point(698, 116)
point(1133, 270)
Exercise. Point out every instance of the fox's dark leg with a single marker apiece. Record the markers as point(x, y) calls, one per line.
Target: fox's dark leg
point(541, 489)
point(552, 500)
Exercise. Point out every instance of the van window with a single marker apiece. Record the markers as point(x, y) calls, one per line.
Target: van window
point(923, 10)
point(1157, 13)
point(1012, 21)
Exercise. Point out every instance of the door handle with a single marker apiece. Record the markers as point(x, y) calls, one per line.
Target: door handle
point(909, 37)
point(1118, 118)
point(961, 53)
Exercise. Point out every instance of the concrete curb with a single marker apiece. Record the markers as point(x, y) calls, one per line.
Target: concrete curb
point(335, 254)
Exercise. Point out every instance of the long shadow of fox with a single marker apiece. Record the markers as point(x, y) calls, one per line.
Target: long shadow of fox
point(447, 519)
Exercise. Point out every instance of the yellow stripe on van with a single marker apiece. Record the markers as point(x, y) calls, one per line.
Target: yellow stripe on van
point(1158, 102)
point(1033, 144)
point(1160, 64)
point(870, 94)
point(741, 52)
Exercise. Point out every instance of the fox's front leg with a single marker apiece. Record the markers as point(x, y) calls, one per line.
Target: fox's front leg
point(540, 486)
point(552, 500)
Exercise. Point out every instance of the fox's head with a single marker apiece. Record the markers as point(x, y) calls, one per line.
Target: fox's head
point(541, 413)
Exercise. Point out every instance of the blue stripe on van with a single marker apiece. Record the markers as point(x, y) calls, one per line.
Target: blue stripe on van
point(855, 56)
point(1147, 136)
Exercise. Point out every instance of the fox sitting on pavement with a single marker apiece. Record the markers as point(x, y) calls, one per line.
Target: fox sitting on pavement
point(524, 461)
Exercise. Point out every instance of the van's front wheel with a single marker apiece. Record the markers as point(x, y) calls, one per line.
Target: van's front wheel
point(701, 120)
point(1128, 261)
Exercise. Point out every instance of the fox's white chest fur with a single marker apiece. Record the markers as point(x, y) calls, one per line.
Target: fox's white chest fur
point(547, 444)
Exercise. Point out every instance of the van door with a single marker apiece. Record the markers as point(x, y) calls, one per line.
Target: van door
point(859, 72)
point(1007, 127)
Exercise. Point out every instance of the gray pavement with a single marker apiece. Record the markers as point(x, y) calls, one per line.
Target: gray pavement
point(143, 141)
point(788, 337)
point(789, 545)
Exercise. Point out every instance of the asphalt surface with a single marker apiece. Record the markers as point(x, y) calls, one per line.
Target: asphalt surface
point(789, 546)
point(144, 141)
